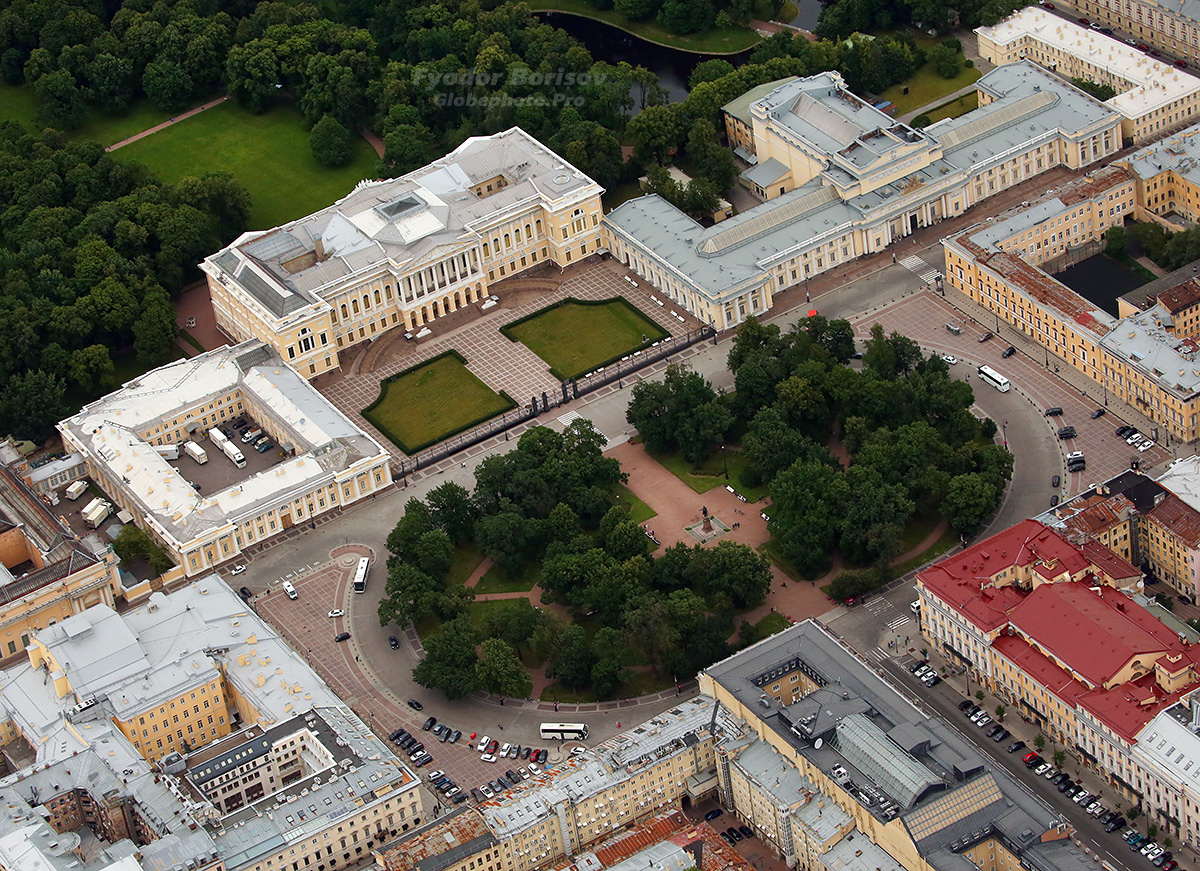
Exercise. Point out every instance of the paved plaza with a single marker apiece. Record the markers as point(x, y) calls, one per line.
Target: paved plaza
point(499, 363)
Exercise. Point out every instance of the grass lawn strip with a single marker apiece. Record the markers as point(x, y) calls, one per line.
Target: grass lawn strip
point(495, 581)
point(432, 401)
point(575, 338)
point(925, 86)
point(269, 154)
point(711, 473)
point(955, 108)
point(639, 511)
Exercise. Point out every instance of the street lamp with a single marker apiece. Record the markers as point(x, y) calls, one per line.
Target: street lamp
point(725, 462)
point(1004, 429)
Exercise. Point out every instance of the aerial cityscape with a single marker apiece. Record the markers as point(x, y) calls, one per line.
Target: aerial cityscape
point(591, 436)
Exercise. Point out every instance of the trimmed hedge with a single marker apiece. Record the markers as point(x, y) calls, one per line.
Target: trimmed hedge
point(410, 450)
point(654, 334)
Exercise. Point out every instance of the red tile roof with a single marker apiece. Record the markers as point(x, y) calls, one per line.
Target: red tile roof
point(962, 579)
point(1107, 629)
point(1108, 563)
point(1182, 296)
point(1040, 667)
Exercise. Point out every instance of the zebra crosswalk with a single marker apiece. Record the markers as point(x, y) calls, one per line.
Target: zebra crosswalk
point(913, 263)
point(898, 622)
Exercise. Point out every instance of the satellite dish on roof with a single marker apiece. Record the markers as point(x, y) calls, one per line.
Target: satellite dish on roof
point(818, 743)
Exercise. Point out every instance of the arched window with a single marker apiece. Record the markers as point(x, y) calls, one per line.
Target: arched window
point(345, 312)
point(487, 250)
point(307, 340)
point(378, 298)
point(366, 302)
point(507, 242)
point(354, 305)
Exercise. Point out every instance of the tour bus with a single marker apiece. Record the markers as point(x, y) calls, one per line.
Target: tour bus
point(988, 375)
point(564, 731)
point(360, 575)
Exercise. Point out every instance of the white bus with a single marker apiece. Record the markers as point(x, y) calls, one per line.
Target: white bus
point(564, 731)
point(988, 375)
point(360, 575)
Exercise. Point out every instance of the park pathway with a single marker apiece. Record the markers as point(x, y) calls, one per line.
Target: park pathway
point(165, 124)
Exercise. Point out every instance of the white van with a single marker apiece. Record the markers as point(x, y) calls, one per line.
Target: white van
point(290, 590)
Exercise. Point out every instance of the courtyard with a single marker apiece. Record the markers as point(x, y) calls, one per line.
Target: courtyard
point(575, 338)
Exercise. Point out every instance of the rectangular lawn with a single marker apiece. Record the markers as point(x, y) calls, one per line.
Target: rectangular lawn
point(432, 402)
point(574, 337)
point(269, 154)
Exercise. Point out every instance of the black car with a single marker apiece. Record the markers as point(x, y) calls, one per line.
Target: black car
point(1055, 481)
point(1034, 762)
point(512, 776)
point(341, 636)
point(988, 335)
point(542, 754)
point(429, 724)
point(733, 833)
point(1015, 746)
point(713, 814)
point(1060, 778)
point(525, 752)
point(407, 741)
point(477, 795)
point(1055, 411)
point(393, 642)
point(964, 704)
point(1069, 789)
point(746, 831)
point(245, 593)
point(1114, 824)
point(1066, 432)
point(1099, 412)
point(415, 705)
point(459, 798)
point(972, 710)
point(728, 840)
point(416, 748)
point(1053, 500)
point(992, 731)
point(913, 668)
point(396, 734)
point(457, 734)
point(1122, 431)
point(504, 783)
point(401, 734)
point(1002, 735)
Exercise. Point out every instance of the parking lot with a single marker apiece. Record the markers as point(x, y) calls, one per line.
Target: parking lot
point(219, 472)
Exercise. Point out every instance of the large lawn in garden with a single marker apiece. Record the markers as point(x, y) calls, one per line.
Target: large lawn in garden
point(432, 402)
point(574, 338)
point(269, 154)
point(926, 86)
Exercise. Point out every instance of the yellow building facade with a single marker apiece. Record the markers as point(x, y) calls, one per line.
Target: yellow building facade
point(404, 252)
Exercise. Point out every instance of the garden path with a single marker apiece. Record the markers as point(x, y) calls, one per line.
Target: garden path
point(165, 124)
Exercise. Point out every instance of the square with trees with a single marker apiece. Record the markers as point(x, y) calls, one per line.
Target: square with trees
point(576, 337)
point(430, 402)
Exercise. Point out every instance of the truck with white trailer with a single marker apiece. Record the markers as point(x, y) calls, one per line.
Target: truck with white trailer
point(217, 437)
point(231, 451)
point(76, 490)
point(196, 452)
point(168, 452)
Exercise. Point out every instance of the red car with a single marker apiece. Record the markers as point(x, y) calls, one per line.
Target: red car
point(1141, 46)
point(1182, 64)
point(491, 748)
point(1084, 22)
point(1048, 5)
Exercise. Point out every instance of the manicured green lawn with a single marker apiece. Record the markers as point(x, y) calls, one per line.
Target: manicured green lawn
point(772, 623)
point(719, 40)
point(639, 511)
point(495, 581)
point(17, 104)
point(925, 87)
point(629, 190)
point(711, 472)
point(574, 338)
point(268, 154)
point(958, 106)
point(108, 128)
point(432, 402)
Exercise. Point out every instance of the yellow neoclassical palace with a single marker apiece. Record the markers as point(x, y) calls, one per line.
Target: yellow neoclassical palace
point(402, 252)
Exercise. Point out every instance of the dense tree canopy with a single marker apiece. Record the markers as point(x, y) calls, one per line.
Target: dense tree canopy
point(94, 248)
point(910, 445)
point(550, 502)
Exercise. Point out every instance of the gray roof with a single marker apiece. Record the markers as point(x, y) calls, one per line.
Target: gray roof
point(739, 107)
point(733, 254)
point(889, 754)
point(1027, 102)
point(1179, 152)
point(766, 173)
point(1160, 356)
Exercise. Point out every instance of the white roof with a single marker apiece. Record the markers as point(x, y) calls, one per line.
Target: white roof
point(1152, 84)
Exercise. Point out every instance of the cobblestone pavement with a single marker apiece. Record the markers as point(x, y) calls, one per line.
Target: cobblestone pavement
point(496, 361)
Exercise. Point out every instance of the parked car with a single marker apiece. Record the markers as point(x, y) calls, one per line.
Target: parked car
point(1066, 432)
point(988, 335)
point(713, 814)
point(1099, 412)
point(931, 680)
point(534, 768)
point(1002, 735)
point(1054, 411)
point(746, 831)
point(415, 705)
point(263, 447)
point(455, 736)
point(429, 724)
point(341, 636)
point(964, 704)
point(995, 729)
point(487, 791)
point(1043, 768)
point(245, 593)
point(1008, 352)
point(733, 833)
point(950, 360)
point(1145, 446)
point(493, 745)
point(1133, 438)
point(1122, 431)
point(1081, 797)
point(542, 754)
point(983, 721)
point(393, 642)
point(488, 757)
point(1055, 481)
point(483, 744)
point(1015, 746)
point(525, 752)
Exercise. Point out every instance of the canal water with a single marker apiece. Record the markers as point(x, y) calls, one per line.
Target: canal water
point(613, 45)
point(810, 11)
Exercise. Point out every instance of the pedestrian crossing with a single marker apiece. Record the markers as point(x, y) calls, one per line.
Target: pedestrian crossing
point(898, 622)
point(880, 654)
point(913, 263)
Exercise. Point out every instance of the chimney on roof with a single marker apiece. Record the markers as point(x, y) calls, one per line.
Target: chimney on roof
point(319, 247)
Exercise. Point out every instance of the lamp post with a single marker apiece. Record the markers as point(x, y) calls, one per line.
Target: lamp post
point(724, 462)
point(1004, 430)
